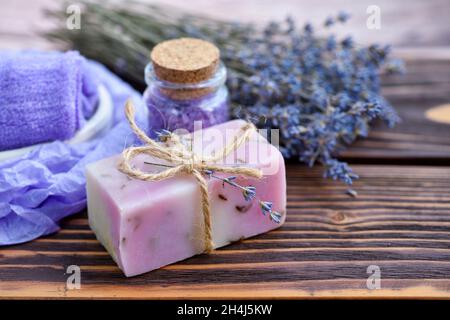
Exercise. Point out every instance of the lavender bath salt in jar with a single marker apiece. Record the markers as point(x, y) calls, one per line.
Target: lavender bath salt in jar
point(186, 84)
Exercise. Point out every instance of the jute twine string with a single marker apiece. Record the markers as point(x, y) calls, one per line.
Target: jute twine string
point(184, 161)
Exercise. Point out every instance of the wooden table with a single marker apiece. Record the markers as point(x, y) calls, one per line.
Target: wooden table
point(399, 223)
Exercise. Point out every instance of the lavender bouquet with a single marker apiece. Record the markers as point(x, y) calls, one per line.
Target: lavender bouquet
point(320, 91)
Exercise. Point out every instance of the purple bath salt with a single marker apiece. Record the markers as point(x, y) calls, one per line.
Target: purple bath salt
point(170, 114)
point(186, 84)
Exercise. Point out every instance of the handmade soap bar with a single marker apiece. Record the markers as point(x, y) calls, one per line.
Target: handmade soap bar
point(147, 225)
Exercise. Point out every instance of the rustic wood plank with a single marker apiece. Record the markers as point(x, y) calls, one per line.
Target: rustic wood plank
point(400, 222)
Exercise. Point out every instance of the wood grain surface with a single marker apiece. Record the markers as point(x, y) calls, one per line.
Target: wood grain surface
point(400, 222)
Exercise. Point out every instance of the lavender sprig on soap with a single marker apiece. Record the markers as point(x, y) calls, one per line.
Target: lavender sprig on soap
point(248, 192)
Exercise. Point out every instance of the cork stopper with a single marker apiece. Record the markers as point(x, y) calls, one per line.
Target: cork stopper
point(185, 60)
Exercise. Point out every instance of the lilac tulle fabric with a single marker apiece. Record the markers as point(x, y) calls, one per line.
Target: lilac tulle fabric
point(44, 96)
point(48, 184)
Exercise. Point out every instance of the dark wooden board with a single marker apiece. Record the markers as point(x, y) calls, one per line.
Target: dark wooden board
point(400, 222)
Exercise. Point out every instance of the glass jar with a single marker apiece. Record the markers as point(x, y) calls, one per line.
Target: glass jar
point(174, 105)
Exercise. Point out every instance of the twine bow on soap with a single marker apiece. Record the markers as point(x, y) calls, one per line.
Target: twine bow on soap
point(184, 161)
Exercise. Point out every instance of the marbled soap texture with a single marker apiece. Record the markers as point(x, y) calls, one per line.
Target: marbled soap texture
point(147, 225)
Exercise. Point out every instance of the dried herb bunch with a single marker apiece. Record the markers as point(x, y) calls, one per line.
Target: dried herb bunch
point(321, 92)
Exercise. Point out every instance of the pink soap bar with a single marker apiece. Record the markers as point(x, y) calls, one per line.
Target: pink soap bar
point(147, 225)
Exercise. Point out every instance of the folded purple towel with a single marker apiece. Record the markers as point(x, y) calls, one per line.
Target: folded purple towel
point(44, 96)
point(47, 184)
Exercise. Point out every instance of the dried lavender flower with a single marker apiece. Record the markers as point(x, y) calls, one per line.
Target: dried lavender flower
point(163, 135)
point(352, 193)
point(320, 92)
point(329, 22)
point(208, 172)
point(275, 216)
point(343, 16)
point(266, 206)
point(228, 180)
point(249, 193)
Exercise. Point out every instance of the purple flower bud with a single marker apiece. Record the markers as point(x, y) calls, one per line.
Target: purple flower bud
point(249, 193)
point(275, 217)
point(266, 207)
